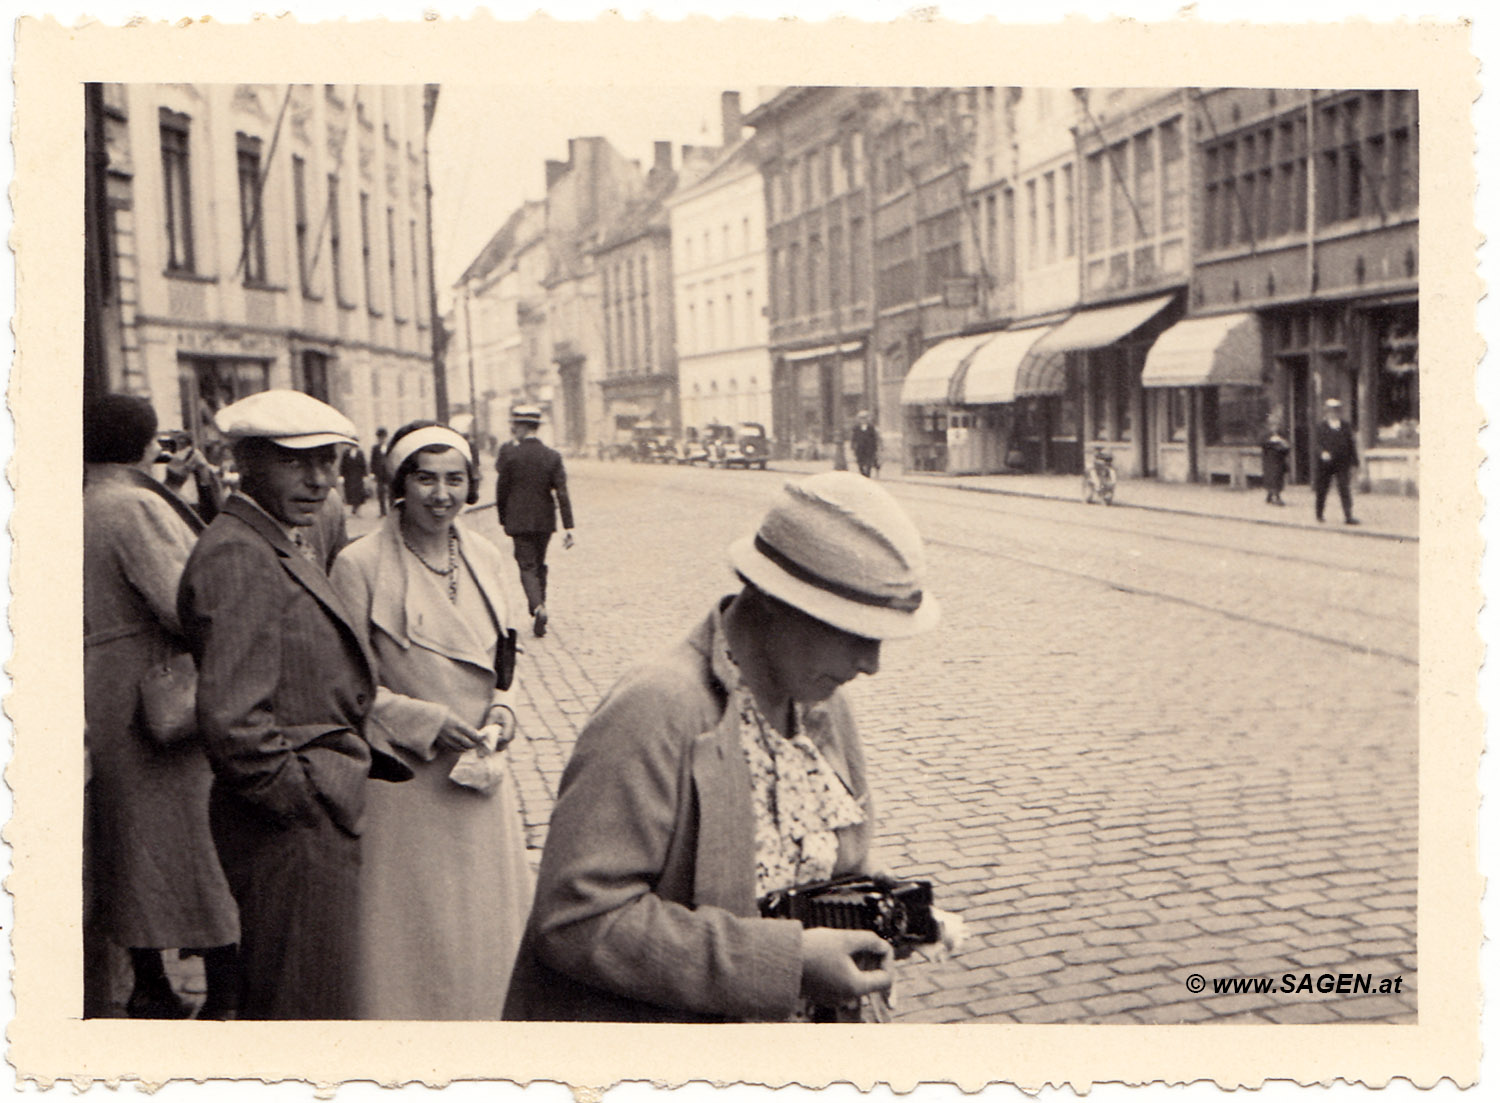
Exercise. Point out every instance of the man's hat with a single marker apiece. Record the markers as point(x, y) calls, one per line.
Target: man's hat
point(528, 415)
point(288, 418)
point(838, 547)
point(1332, 403)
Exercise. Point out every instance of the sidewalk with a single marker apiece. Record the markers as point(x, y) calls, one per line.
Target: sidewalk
point(1385, 516)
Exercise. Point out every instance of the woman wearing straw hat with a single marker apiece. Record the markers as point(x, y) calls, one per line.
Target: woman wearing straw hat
point(725, 769)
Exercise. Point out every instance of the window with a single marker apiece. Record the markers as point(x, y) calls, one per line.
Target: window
point(1233, 415)
point(779, 308)
point(1121, 222)
point(312, 371)
point(1173, 177)
point(814, 275)
point(647, 353)
point(177, 186)
point(729, 331)
point(1049, 190)
point(1145, 186)
point(611, 364)
point(416, 273)
point(335, 239)
point(1096, 241)
point(1397, 396)
point(1008, 235)
point(1179, 407)
point(630, 354)
point(896, 277)
point(364, 250)
point(390, 256)
point(692, 328)
point(793, 273)
point(252, 221)
point(1068, 201)
point(991, 230)
point(835, 266)
point(857, 161)
point(299, 215)
point(745, 235)
point(1031, 228)
point(942, 250)
point(859, 261)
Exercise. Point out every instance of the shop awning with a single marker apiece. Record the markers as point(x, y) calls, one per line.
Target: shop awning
point(928, 381)
point(993, 366)
point(1205, 352)
point(1042, 370)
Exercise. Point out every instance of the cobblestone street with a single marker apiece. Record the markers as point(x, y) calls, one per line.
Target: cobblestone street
point(1142, 746)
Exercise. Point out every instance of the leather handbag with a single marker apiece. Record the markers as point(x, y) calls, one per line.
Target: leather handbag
point(169, 699)
point(505, 659)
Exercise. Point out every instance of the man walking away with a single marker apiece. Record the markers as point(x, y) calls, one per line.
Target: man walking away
point(284, 685)
point(531, 486)
point(379, 469)
point(866, 441)
point(1336, 459)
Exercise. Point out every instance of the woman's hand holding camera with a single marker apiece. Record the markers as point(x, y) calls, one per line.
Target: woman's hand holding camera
point(842, 965)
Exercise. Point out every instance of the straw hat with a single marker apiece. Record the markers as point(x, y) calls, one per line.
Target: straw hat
point(288, 418)
point(527, 415)
point(838, 547)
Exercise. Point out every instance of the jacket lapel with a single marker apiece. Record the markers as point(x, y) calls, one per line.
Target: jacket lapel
point(309, 574)
point(399, 610)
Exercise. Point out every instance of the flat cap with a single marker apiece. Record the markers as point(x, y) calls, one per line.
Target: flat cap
point(288, 418)
point(530, 414)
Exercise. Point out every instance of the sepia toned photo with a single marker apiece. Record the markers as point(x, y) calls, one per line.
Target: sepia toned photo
point(950, 555)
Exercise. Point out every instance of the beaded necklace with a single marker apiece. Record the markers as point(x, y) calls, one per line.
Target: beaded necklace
point(451, 573)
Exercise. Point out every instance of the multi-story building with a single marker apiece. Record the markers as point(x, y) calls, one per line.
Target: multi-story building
point(633, 258)
point(1304, 283)
point(585, 194)
point(718, 217)
point(255, 236)
point(493, 358)
point(813, 148)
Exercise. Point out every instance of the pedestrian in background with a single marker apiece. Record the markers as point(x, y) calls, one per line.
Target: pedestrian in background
point(866, 440)
point(1337, 460)
point(724, 769)
point(155, 880)
point(531, 488)
point(445, 887)
point(186, 467)
point(381, 470)
point(1274, 449)
point(284, 687)
point(352, 472)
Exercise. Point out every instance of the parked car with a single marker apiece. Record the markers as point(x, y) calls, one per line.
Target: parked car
point(711, 443)
point(745, 445)
point(653, 444)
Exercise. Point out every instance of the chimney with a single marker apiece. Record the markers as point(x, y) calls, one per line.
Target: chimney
point(663, 163)
point(556, 170)
point(729, 110)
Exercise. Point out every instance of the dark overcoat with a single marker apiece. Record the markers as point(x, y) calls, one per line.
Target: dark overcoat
point(529, 475)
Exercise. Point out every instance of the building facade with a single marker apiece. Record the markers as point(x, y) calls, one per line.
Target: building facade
point(818, 197)
point(255, 236)
point(1307, 214)
point(638, 383)
point(718, 220)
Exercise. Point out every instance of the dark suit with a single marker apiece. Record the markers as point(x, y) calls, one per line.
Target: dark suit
point(529, 476)
point(866, 441)
point(1342, 459)
point(284, 685)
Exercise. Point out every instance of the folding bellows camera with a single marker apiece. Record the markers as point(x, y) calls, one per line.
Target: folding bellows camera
point(898, 911)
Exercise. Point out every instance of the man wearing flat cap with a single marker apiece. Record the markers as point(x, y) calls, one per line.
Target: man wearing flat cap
point(1336, 460)
point(284, 685)
point(531, 487)
point(726, 769)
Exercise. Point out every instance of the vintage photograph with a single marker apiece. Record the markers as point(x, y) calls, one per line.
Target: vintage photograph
point(757, 553)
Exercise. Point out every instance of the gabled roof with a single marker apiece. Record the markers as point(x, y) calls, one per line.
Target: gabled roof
point(640, 216)
point(508, 240)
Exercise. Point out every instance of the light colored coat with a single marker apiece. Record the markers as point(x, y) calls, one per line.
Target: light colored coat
point(645, 905)
point(445, 887)
point(157, 876)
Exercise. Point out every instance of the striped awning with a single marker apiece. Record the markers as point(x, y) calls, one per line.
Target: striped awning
point(993, 366)
point(929, 382)
point(1042, 372)
point(1206, 352)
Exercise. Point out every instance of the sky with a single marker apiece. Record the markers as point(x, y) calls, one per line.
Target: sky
point(488, 147)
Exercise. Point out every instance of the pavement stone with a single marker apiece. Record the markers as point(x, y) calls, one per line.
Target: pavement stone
point(1121, 762)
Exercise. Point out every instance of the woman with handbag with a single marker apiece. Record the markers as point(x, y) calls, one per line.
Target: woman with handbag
point(155, 876)
point(444, 884)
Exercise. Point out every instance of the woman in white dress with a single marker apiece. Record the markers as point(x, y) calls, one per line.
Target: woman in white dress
point(444, 885)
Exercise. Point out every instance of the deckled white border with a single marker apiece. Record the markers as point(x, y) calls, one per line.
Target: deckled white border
point(896, 73)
